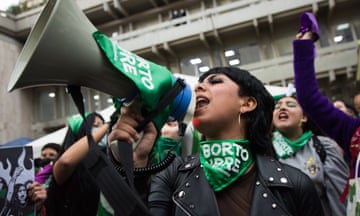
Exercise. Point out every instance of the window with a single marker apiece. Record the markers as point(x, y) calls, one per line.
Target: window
point(241, 55)
point(343, 33)
point(46, 103)
point(195, 65)
point(54, 102)
point(324, 36)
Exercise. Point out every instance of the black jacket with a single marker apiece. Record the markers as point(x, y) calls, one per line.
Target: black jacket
point(182, 189)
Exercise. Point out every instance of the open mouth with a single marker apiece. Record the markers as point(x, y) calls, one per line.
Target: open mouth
point(201, 102)
point(283, 116)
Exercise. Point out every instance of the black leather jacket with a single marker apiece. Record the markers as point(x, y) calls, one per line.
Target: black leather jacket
point(182, 189)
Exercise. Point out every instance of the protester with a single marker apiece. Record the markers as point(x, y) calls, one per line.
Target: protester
point(168, 140)
point(234, 112)
point(48, 153)
point(344, 129)
point(72, 191)
point(296, 145)
point(43, 164)
point(356, 103)
point(345, 107)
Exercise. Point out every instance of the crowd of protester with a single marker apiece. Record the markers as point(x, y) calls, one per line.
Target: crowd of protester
point(251, 153)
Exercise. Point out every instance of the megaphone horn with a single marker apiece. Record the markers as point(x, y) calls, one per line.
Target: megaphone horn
point(60, 50)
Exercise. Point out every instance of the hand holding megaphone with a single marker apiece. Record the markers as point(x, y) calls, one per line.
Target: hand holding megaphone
point(125, 129)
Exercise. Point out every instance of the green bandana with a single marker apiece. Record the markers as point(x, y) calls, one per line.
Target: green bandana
point(224, 161)
point(76, 121)
point(285, 148)
point(151, 79)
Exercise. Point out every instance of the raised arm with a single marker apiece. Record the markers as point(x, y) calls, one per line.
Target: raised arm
point(331, 120)
point(68, 161)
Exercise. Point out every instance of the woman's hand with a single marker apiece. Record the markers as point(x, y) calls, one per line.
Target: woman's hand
point(37, 194)
point(125, 130)
point(305, 36)
point(170, 130)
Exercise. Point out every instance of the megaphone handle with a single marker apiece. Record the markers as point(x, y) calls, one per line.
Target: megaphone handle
point(126, 155)
point(125, 149)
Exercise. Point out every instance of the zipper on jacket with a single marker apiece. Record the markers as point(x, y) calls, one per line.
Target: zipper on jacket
point(182, 208)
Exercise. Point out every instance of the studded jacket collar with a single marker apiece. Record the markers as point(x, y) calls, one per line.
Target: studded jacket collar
point(279, 190)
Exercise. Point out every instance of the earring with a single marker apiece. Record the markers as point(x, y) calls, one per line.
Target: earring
point(301, 122)
point(239, 118)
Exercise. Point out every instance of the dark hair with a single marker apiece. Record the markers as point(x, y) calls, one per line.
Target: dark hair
point(350, 108)
point(17, 189)
point(259, 121)
point(309, 125)
point(54, 146)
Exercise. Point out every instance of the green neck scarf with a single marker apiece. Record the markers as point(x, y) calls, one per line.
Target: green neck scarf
point(285, 148)
point(224, 161)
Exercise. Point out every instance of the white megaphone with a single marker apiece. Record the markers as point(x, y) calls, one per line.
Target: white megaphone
point(61, 50)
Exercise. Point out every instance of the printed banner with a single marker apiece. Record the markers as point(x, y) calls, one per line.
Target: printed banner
point(16, 175)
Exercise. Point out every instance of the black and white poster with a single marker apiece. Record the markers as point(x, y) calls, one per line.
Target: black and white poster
point(16, 175)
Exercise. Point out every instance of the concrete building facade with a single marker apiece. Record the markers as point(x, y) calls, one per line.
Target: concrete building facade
point(189, 37)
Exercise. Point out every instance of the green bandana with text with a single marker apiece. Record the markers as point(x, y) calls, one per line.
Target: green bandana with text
point(224, 161)
point(151, 79)
point(285, 148)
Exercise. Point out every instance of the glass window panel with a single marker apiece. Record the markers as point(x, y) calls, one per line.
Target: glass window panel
point(46, 104)
point(324, 36)
point(217, 57)
point(249, 54)
point(195, 65)
point(343, 33)
point(240, 55)
point(232, 56)
point(106, 101)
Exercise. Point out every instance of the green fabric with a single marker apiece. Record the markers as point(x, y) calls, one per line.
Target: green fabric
point(104, 208)
point(3, 193)
point(102, 211)
point(224, 161)
point(76, 121)
point(285, 148)
point(151, 79)
point(196, 142)
point(278, 97)
point(162, 147)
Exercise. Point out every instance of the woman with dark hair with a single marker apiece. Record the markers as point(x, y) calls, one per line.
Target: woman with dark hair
point(72, 191)
point(297, 145)
point(235, 173)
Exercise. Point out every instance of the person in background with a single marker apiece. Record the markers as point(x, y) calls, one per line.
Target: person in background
point(43, 164)
point(296, 145)
point(344, 129)
point(235, 174)
point(72, 191)
point(49, 152)
point(356, 103)
point(345, 107)
point(169, 140)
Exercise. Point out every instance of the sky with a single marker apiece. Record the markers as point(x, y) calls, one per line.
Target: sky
point(4, 4)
